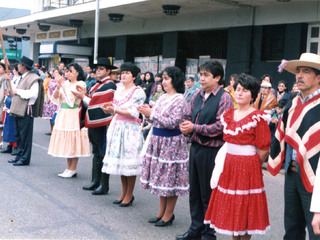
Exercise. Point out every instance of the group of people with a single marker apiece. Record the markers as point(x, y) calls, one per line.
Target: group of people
point(228, 132)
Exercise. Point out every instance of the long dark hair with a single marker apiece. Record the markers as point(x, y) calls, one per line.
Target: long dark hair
point(79, 69)
point(177, 78)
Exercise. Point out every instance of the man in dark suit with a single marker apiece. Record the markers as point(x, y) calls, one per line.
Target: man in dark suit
point(27, 103)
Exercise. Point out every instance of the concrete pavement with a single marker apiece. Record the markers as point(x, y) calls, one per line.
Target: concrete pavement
point(36, 204)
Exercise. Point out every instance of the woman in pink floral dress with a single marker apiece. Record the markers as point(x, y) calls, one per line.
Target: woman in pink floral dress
point(165, 166)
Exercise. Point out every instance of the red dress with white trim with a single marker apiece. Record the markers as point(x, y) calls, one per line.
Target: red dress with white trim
point(238, 205)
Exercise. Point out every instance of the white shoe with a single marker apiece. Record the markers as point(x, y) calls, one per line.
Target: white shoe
point(69, 174)
point(1, 145)
point(61, 174)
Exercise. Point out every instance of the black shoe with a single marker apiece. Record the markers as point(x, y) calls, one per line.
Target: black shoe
point(91, 186)
point(14, 152)
point(162, 223)
point(13, 161)
point(8, 150)
point(154, 220)
point(99, 191)
point(117, 201)
point(19, 163)
point(48, 133)
point(127, 204)
point(187, 236)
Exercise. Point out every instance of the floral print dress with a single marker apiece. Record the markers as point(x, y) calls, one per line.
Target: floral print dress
point(165, 167)
point(124, 136)
point(49, 108)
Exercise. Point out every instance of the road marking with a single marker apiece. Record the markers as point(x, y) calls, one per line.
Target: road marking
point(37, 145)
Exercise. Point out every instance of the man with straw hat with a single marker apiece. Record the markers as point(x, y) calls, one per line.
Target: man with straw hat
point(297, 144)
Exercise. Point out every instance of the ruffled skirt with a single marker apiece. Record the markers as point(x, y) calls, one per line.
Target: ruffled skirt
point(165, 167)
point(67, 139)
point(124, 143)
point(238, 205)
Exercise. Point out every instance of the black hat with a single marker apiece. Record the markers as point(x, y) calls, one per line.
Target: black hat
point(26, 62)
point(103, 62)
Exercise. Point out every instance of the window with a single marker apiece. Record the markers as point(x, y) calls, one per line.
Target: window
point(313, 39)
point(273, 39)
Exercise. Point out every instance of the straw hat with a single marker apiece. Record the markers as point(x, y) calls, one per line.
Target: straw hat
point(306, 60)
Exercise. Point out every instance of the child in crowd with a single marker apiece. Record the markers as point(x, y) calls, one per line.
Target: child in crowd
point(282, 93)
point(275, 118)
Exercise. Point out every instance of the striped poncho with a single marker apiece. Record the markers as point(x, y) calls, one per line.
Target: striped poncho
point(100, 93)
point(300, 128)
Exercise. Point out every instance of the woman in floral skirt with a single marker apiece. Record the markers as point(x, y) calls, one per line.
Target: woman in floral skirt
point(165, 167)
point(124, 136)
point(238, 204)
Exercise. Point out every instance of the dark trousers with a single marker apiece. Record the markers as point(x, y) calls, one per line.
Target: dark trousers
point(202, 161)
point(24, 133)
point(297, 215)
point(97, 137)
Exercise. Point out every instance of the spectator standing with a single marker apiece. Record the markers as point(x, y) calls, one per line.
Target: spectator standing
point(230, 88)
point(266, 101)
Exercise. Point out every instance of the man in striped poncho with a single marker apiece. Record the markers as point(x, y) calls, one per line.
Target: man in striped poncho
point(297, 144)
point(97, 121)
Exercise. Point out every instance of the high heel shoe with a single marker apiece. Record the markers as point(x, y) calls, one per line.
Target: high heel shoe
point(127, 204)
point(154, 219)
point(117, 201)
point(162, 223)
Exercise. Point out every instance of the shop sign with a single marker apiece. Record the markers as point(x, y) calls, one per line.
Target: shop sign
point(12, 54)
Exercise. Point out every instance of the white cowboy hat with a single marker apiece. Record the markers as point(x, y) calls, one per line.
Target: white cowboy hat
point(306, 60)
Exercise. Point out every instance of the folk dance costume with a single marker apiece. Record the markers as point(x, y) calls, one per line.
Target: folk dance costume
point(67, 139)
point(165, 167)
point(124, 136)
point(50, 108)
point(238, 204)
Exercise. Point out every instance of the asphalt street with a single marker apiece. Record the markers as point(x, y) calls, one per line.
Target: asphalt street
point(36, 204)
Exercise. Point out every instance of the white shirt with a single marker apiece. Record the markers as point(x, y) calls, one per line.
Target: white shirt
point(315, 200)
point(31, 93)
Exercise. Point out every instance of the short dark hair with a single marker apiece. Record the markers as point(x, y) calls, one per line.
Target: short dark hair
point(248, 82)
point(214, 67)
point(266, 75)
point(284, 83)
point(191, 78)
point(177, 78)
point(79, 69)
point(128, 66)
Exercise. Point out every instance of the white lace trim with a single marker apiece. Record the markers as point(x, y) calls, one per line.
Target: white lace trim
point(163, 188)
point(237, 233)
point(248, 126)
point(160, 160)
point(241, 192)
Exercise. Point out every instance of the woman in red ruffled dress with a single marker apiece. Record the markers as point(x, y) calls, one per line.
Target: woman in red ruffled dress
point(238, 203)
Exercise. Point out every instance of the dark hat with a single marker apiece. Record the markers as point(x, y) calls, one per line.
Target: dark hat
point(26, 62)
point(103, 62)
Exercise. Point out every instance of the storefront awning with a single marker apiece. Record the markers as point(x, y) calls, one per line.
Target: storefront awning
point(45, 56)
